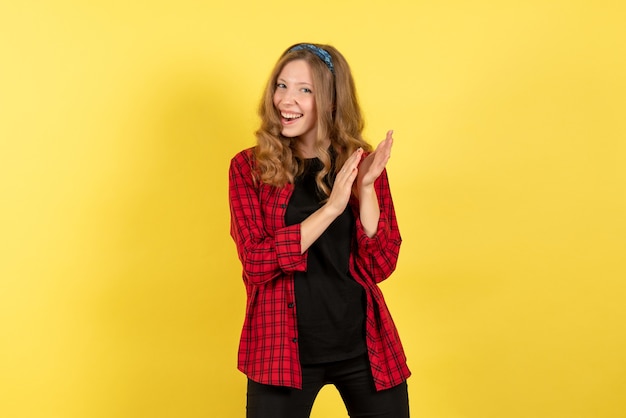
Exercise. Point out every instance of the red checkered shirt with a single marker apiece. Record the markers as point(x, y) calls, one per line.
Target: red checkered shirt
point(270, 254)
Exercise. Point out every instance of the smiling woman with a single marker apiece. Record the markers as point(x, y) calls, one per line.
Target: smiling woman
point(337, 115)
point(316, 231)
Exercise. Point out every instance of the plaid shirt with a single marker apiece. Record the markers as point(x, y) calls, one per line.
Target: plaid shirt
point(270, 254)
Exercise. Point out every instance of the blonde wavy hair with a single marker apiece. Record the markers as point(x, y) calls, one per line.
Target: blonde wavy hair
point(338, 119)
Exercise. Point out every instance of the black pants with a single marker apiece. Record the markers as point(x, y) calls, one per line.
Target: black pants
point(352, 378)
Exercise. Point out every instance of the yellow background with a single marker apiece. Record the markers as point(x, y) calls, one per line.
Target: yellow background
point(120, 290)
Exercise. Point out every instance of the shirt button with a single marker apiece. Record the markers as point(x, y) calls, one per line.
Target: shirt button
point(295, 340)
point(283, 205)
point(290, 305)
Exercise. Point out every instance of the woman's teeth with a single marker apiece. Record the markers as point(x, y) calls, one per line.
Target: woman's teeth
point(291, 115)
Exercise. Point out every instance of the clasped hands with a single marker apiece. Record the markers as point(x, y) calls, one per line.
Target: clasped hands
point(364, 174)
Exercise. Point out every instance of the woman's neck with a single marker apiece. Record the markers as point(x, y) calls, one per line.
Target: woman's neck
point(307, 149)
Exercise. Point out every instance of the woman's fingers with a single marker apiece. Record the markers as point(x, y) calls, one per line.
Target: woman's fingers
point(386, 144)
point(342, 188)
point(376, 162)
point(351, 164)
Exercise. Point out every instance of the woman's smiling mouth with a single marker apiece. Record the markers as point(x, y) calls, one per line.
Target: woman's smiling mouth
point(290, 117)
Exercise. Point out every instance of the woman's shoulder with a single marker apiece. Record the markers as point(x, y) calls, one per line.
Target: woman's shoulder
point(244, 155)
point(243, 164)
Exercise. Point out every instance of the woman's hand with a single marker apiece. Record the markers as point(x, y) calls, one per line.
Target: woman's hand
point(315, 225)
point(370, 169)
point(342, 187)
point(374, 164)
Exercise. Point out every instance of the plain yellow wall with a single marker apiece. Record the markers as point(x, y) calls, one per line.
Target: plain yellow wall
point(120, 290)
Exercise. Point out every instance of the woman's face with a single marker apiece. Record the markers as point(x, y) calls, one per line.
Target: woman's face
point(295, 101)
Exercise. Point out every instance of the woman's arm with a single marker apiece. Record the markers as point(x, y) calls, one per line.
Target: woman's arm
point(264, 256)
point(377, 236)
point(313, 226)
point(371, 168)
point(376, 256)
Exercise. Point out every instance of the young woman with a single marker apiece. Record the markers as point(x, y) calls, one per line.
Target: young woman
point(315, 229)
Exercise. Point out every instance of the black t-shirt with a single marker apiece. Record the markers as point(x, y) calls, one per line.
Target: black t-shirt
point(330, 305)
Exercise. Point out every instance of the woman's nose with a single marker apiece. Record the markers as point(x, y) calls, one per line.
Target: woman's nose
point(289, 97)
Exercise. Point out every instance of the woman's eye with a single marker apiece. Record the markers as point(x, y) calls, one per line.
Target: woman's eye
point(280, 86)
point(306, 90)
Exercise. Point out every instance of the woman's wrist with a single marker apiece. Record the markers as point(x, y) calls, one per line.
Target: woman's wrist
point(366, 191)
point(369, 209)
point(329, 210)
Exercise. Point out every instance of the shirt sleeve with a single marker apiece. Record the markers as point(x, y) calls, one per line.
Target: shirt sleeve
point(377, 256)
point(264, 254)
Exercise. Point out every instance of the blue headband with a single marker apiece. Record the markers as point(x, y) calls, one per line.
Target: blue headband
point(321, 54)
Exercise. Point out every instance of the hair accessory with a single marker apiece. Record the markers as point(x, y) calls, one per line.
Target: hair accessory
point(321, 53)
